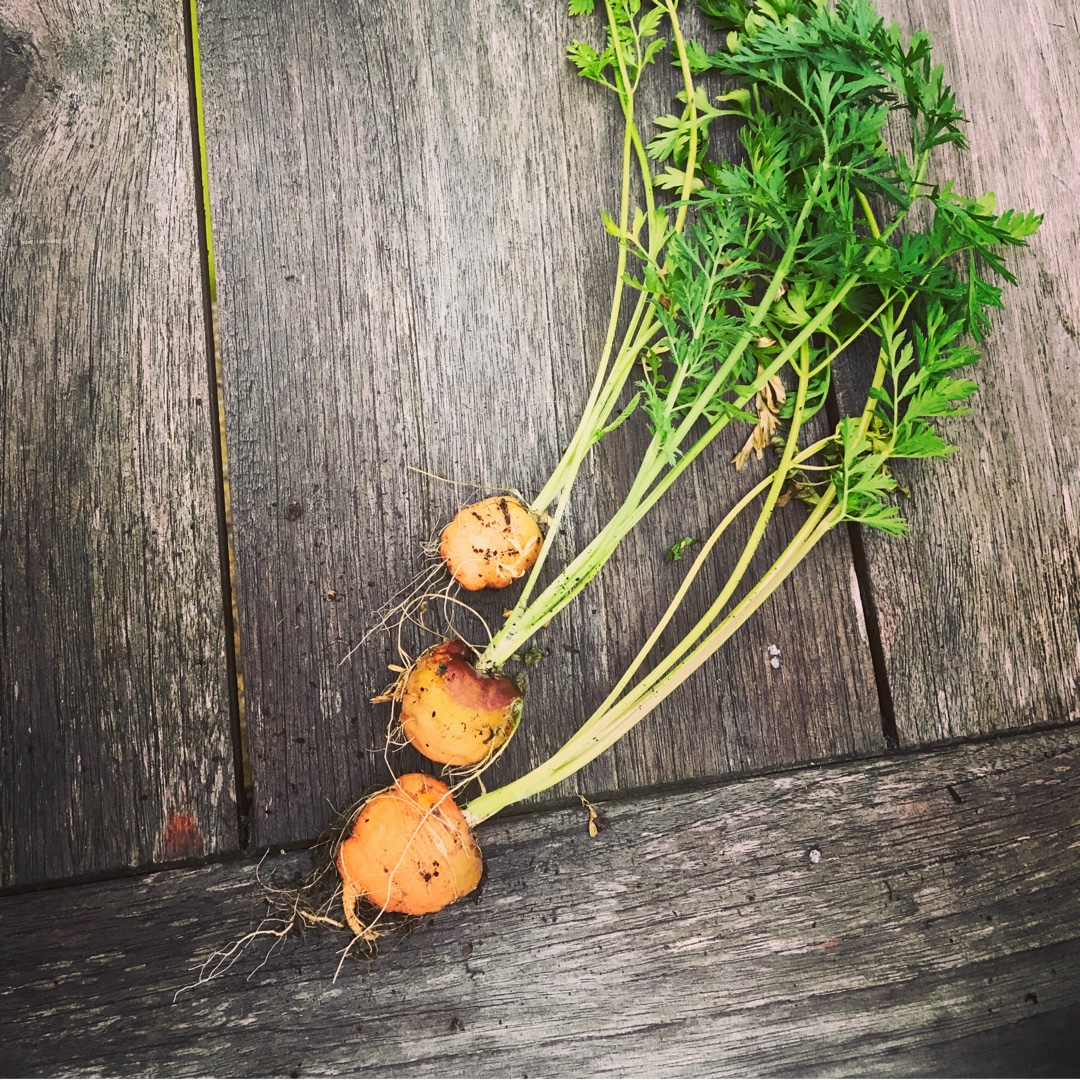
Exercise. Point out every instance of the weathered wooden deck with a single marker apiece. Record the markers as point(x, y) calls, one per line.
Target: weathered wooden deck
point(864, 862)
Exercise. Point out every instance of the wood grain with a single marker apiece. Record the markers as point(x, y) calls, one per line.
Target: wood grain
point(913, 916)
point(979, 611)
point(115, 748)
point(412, 273)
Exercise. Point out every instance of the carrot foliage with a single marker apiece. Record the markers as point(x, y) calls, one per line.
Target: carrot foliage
point(829, 230)
point(794, 252)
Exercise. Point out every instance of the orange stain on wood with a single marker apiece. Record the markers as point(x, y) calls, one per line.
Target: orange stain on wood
point(181, 839)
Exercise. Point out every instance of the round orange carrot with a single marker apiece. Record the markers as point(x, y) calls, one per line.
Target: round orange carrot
point(490, 544)
point(453, 714)
point(410, 851)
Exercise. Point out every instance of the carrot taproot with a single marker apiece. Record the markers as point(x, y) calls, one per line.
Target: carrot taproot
point(410, 851)
point(453, 714)
point(491, 543)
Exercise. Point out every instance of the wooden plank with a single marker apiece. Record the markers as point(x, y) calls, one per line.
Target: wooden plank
point(115, 748)
point(912, 916)
point(979, 610)
point(412, 272)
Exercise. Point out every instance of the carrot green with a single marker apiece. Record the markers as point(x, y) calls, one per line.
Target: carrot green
point(831, 229)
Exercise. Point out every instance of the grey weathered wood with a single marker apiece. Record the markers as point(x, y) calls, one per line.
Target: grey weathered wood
point(935, 932)
point(980, 609)
point(115, 746)
point(412, 272)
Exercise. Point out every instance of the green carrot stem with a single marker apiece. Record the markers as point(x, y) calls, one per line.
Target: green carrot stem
point(774, 483)
point(565, 472)
point(651, 483)
point(688, 84)
point(614, 718)
point(652, 480)
point(851, 494)
point(602, 730)
point(604, 394)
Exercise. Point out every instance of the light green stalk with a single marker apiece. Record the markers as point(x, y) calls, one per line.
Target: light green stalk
point(656, 473)
point(642, 327)
point(621, 710)
point(654, 477)
point(618, 714)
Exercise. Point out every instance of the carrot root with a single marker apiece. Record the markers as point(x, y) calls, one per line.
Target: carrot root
point(452, 713)
point(410, 851)
point(491, 543)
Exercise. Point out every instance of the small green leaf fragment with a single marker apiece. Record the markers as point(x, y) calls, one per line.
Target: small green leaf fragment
point(673, 179)
point(678, 549)
point(532, 656)
point(739, 99)
point(631, 405)
point(612, 226)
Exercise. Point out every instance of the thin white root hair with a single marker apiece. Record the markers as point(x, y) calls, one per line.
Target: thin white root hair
point(470, 484)
point(388, 617)
point(277, 927)
point(413, 614)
